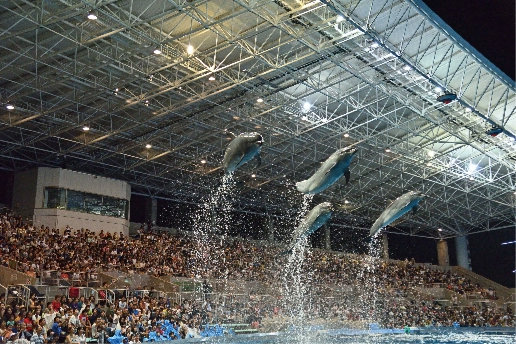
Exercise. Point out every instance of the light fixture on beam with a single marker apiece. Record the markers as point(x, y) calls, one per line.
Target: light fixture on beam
point(157, 51)
point(190, 49)
point(86, 128)
point(211, 78)
point(253, 175)
point(203, 161)
point(346, 135)
point(431, 153)
point(9, 107)
point(148, 146)
point(259, 100)
point(387, 150)
point(91, 16)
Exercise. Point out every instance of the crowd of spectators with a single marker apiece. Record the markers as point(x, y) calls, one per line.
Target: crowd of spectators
point(81, 253)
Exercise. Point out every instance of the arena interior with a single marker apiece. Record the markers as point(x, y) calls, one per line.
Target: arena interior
point(118, 223)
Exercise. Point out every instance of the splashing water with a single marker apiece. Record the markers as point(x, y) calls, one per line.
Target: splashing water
point(211, 224)
point(297, 281)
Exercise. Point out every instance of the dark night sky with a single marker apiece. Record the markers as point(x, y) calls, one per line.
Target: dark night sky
point(488, 25)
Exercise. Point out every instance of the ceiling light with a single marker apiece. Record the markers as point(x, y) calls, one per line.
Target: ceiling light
point(157, 51)
point(211, 78)
point(9, 107)
point(407, 68)
point(307, 106)
point(388, 150)
point(92, 16)
point(374, 45)
point(431, 153)
point(468, 109)
point(472, 168)
point(253, 175)
point(190, 49)
point(147, 102)
point(339, 18)
point(203, 161)
point(346, 201)
point(259, 100)
point(429, 164)
point(346, 135)
point(471, 178)
point(438, 89)
point(439, 229)
point(514, 192)
point(304, 118)
point(148, 145)
point(85, 128)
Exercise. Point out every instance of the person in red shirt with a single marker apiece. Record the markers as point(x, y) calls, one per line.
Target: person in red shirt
point(56, 304)
point(28, 321)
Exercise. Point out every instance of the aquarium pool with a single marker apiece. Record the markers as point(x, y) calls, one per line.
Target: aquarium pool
point(344, 336)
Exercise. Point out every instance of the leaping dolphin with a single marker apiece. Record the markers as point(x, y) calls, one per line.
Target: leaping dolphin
point(241, 149)
point(310, 223)
point(397, 209)
point(330, 171)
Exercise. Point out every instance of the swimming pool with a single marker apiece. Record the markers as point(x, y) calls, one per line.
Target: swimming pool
point(424, 336)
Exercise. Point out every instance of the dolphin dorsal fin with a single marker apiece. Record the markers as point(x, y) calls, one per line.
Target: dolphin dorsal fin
point(229, 133)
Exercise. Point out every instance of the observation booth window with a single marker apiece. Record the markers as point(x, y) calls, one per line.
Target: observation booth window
point(60, 198)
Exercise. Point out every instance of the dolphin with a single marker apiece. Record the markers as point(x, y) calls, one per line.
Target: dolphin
point(310, 223)
point(329, 172)
point(241, 149)
point(398, 208)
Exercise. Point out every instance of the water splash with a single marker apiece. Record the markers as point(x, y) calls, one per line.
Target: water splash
point(212, 221)
point(297, 279)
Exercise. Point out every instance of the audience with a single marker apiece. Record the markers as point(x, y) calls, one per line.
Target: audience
point(78, 254)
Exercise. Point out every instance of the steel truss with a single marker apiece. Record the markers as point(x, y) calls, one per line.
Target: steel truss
point(368, 70)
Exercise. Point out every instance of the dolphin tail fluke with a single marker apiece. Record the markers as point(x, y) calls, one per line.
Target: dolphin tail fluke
point(347, 175)
point(300, 186)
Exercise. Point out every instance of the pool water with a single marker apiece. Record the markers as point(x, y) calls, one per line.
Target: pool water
point(446, 336)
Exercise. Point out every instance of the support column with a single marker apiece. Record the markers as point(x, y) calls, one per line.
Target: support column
point(271, 230)
point(154, 210)
point(442, 253)
point(385, 246)
point(151, 210)
point(327, 237)
point(462, 251)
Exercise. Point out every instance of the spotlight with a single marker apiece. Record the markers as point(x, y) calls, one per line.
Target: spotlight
point(438, 89)
point(346, 135)
point(339, 18)
point(387, 150)
point(9, 107)
point(92, 16)
point(304, 118)
point(86, 128)
point(468, 109)
point(472, 168)
point(307, 106)
point(439, 229)
point(259, 100)
point(190, 49)
point(431, 153)
point(211, 78)
point(374, 45)
point(253, 175)
point(148, 146)
point(407, 68)
point(471, 178)
point(157, 51)
point(203, 161)
point(147, 102)
point(429, 164)
point(346, 201)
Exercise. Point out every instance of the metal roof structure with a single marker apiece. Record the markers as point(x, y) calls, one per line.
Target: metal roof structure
point(144, 92)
